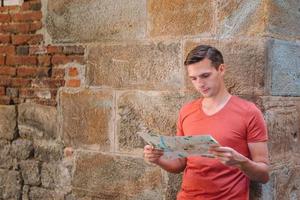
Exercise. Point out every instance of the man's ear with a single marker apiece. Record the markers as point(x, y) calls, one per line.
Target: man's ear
point(222, 68)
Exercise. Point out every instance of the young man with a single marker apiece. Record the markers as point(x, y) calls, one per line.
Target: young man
point(236, 124)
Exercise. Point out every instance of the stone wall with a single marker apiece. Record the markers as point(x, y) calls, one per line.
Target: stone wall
point(79, 79)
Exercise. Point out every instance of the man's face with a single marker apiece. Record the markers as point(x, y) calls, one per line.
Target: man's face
point(206, 78)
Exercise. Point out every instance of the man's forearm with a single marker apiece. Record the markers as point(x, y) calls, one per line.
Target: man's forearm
point(172, 166)
point(256, 171)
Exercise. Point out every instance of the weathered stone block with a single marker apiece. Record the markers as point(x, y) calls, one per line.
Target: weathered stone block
point(37, 121)
point(48, 151)
point(173, 185)
point(30, 170)
point(179, 18)
point(8, 122)
point(283, 18)
point(258, 18)
point(245, 60)
point(284, 183)
point(155, 112)
point(284, 72)
point(113, 177)
point(21, 149)
point(56, 177)
point(66, 20)
point(6, 161)
point(37, 193)
point(140, 66)
point(282, 116)
point(10, 184)
point(87, 118)
point(240, 17)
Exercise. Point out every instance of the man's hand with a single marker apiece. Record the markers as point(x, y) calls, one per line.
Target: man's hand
point(152, 155)
point(228, 156)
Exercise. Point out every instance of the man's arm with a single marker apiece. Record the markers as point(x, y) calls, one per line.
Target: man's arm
point(256, 169)
point(155, 156)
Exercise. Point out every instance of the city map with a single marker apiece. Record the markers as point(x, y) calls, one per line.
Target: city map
point(181, 146)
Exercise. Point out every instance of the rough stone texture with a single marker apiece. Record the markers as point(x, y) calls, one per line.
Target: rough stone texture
point(30, 170)
point(6, 161)
point(258, 18)
point(25, 192)
point(8, 122)
point(285, 183)
point(179, 18)
point(37, 121)
point(284, 18)
point(92, 20)
point(284, 64)
point(138, 112)
point(240, 17)
point(282, 118)
point(49, 175)
point(47, 151)
point(21, 149)
point(246, 62)
point(37, 193)
point(86, 118)
point(173, 185)
point(138, 66)
point(10, 184)
point(112, 177)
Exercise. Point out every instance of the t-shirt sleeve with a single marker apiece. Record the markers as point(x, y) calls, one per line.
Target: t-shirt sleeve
point(179, 130)
point(256, 126)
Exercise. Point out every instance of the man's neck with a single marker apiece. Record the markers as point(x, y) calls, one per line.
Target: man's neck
point(217, 101)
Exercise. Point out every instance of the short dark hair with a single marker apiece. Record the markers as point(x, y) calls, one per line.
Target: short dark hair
point(201, 52)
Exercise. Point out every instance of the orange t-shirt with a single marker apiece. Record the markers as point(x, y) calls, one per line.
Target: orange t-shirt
point(238, 123)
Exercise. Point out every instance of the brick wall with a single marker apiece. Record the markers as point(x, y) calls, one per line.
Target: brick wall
point(30, 70)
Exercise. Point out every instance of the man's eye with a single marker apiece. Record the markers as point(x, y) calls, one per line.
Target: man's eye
point(205, 75)
point(193, 78)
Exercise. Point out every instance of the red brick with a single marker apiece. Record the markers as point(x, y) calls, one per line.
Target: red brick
point(4, 38)
point(54, 49)
point(5, 18)
point(37, 50)
point(26, 92)
point(26, 71)
point(44, 60)
point(9, 8)
point(59, 59)
point(58, 73)
point(15, 28)
point(34, 26)
point(27, 39)
point(72, 71)
point(28, 16)
point(5, 81)
point(63, 59)
point(10, 71)
point(21, 60)
point(2, 91)
point(31, 5)
point(43, 72)
point(2, 59)
point(20, 82)
point(7, 49)
point(5, 100)
point(73, 83)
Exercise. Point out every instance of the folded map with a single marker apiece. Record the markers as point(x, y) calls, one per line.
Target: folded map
point(181, 146)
